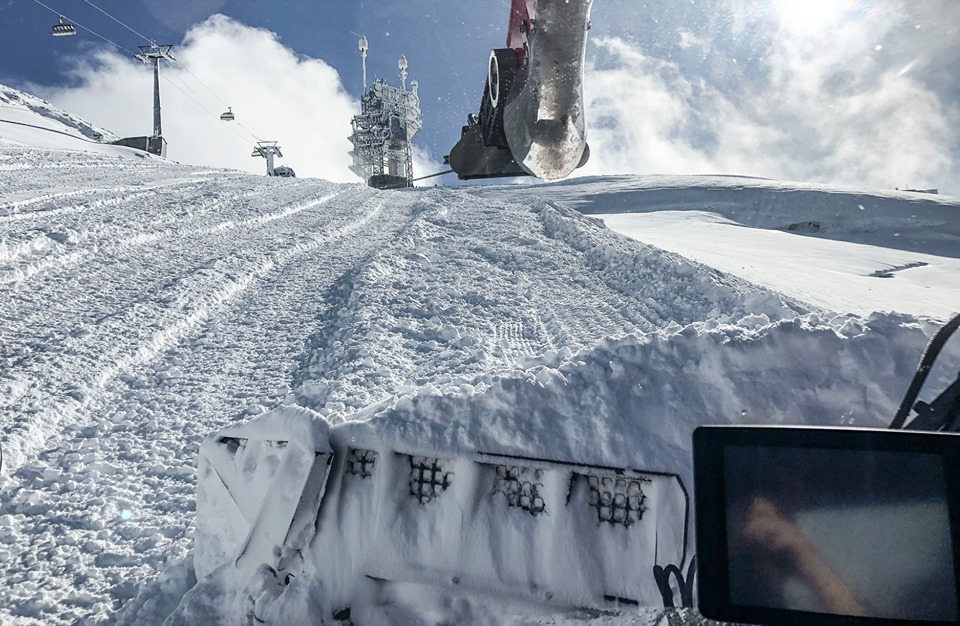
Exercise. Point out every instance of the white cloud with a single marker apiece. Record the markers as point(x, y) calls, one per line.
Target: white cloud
point(274, 92)
point(824, 109)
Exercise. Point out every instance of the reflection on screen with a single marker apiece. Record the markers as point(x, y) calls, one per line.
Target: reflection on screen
point(847, 532)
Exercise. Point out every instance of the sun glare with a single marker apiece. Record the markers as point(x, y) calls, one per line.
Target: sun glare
point(809, 17)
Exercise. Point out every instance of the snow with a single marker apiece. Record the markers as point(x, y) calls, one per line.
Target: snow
point(147, 306)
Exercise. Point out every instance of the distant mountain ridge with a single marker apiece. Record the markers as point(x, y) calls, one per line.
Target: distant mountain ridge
point(17, 99)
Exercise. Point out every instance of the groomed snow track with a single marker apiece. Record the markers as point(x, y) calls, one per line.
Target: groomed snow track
point(145, 305)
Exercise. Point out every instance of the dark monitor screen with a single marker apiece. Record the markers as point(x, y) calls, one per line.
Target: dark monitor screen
point(847, 523)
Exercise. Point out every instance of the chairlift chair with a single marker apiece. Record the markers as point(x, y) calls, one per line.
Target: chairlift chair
point(63, 29)
point(228, 116)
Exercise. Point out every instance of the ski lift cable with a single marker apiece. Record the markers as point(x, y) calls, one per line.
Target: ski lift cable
point(251, 135)
point(182, 82)
point(79, 25)
point(182, 65)
point(239, 122)
point(252, 131)
point(154, 43)
point(211, 113)
point(151, 41)
point(255, 136)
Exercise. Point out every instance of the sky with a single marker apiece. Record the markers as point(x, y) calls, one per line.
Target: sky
point(854, 92)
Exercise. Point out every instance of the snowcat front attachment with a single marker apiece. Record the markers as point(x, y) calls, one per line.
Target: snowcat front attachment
point(546, 531)
point(259, 488)
point(282, 498)
point(532, 105)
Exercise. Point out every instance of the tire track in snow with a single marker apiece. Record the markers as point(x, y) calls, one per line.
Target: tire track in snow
point(29, 432)
point(30, 199)
point(28, 309)
point(64, 260)
point(158, 484)
point(131, 194)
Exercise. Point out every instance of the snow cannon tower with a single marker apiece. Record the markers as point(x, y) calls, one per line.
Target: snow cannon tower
point(389, 118)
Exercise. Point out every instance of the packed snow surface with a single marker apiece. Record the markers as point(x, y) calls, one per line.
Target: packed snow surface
point(145, 305)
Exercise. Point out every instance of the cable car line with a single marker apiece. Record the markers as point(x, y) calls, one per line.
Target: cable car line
point(228, 116)
point(251, 131)
point(164, 76)
point(208, 111)
point(152, 42)
point(79, 25)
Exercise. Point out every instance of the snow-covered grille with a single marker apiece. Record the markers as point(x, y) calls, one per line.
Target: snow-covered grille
point(428, 478)
point(361, 462)
point(522, 488)
point(617, 500)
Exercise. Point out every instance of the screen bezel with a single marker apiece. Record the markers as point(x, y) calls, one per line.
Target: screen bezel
point(709, 443)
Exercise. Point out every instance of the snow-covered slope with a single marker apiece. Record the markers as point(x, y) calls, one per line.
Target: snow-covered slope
point(145, 305)
point(861, 250)
point(33, 122)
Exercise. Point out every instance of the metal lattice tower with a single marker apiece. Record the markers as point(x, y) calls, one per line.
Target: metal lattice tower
point(389, 118)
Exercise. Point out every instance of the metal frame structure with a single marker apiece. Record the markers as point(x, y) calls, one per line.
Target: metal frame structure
point(389, 118)
point(154, 53)
point(267, 150)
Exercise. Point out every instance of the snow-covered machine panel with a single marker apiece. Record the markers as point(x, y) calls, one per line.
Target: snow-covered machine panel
point(546, 531)
point(285, 501)
point(259, 488)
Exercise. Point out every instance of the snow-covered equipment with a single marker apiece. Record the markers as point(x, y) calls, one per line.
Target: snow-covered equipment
point(284, 171)
point(228, 115)
point(63, 28)
point(382, 133)
point(539, 530)
point(268, 150)
point(943, 413)
point(260, 486)
point(531, 117)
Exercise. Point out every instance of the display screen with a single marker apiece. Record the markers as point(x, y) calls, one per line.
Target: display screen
point(839, 531)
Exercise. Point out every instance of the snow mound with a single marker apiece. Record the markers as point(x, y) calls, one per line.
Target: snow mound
point(457, 295)
point(634, 401)
point(631, 402)
point(917, 222)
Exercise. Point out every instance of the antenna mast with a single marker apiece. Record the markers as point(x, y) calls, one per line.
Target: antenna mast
point(363, 56)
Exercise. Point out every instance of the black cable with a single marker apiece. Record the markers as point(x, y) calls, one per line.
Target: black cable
point(432, 176)
point(923, 370)
point(52, 130)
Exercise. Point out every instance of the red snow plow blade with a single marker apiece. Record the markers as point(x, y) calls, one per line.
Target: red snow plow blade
point(531, 114)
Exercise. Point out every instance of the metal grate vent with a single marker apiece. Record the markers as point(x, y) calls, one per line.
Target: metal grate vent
point(361, 462)
point(618, 500)
point(522, 488)
point(428, 478)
